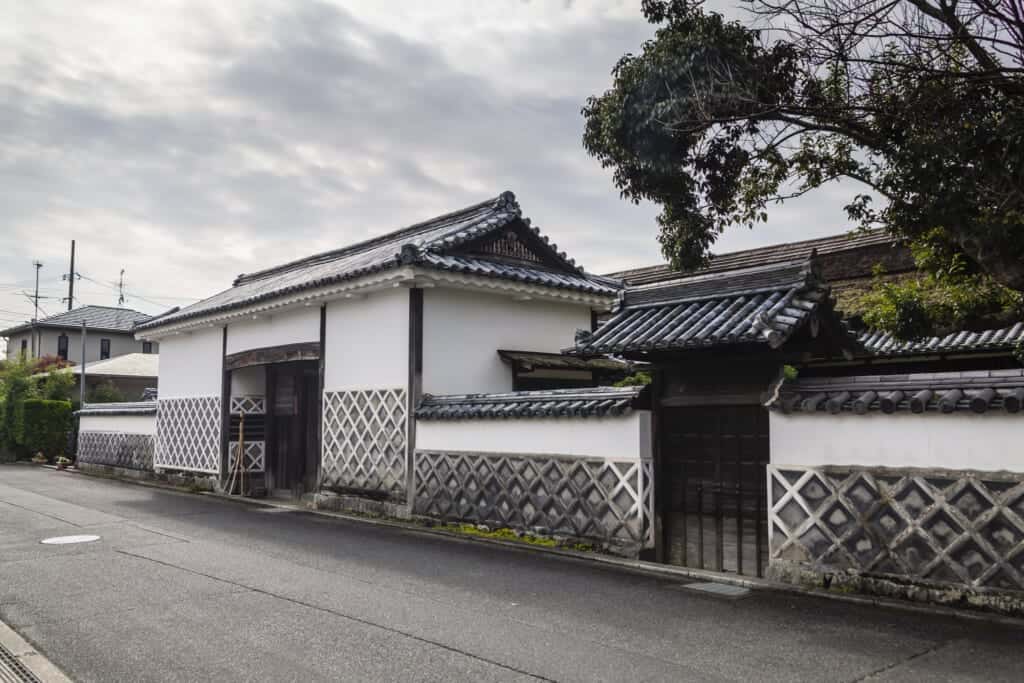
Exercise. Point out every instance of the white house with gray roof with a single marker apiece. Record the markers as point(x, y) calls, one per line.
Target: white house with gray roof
point(313, 371)
point(108, 335)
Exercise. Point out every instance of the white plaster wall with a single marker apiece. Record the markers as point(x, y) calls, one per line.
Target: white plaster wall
point(120, 344)
point(463, 330)
point(992, 441)
point(191, 364)
point(250, 381)
point(624, 437)
point(129, 424)
point(367, 342)
point(287, 327)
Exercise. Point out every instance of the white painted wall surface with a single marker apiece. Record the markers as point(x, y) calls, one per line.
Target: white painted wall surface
point(463, 330)
point(191, 364)
point(622, 438)
point(286, 327)
point(989, 442)
point(250, 381)
point(367, 342)
point(129, 424)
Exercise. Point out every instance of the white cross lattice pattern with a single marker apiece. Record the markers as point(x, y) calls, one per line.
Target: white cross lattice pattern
point(248, 405)
point(947, 527)
point(188, 434)
point(116, 449)
point(592, 498)
point(365, 441)
point(255, 456)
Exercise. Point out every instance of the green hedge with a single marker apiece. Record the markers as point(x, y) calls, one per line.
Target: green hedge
point(46, 425)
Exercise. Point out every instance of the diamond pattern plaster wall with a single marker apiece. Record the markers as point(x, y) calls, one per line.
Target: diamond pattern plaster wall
point(116, 449)
point(592, 498)
point(953, 527)
point(188, 434)
point(364, 436)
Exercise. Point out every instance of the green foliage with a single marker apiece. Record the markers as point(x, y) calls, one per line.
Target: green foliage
point(56, 386)
point(790, 373)
point(46, 425)
point(715, 123)
point(105, 392)
point(948, 295)
point(637, 379)
point(15, 387)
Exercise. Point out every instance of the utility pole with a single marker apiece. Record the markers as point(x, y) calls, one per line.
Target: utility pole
point(81, 373)
point(35, 315)
point(38, 265)
point(70, 277)
point(120, 290)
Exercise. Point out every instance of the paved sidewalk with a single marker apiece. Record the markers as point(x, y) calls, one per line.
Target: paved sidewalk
point(183, 587)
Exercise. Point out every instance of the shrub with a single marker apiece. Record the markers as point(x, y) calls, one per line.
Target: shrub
point(46, 425)
point(105, 392)
point(56, 386)
point(15, 387)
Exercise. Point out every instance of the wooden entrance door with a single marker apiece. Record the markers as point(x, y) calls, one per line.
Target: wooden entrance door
point(295, 409)
point(714, 462)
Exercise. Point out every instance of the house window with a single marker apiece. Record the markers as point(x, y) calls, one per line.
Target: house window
point(24, 347)
point(62, 346)
point(104, 349)
point(147, 347)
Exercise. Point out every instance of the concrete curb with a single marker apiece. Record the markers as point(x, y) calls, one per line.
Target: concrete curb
point(633, 566)
point(43, 669)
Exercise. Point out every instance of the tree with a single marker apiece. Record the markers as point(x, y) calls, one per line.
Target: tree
point(920, 102)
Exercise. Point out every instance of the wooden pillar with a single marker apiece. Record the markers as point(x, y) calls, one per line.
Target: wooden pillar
point(320, 395)
point(225, 407)
point(415, 387)
point(661, 493)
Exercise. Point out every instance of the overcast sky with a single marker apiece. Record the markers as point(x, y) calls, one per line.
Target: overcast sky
point(190, 143)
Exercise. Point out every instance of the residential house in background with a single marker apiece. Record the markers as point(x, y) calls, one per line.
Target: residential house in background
point(108, 335)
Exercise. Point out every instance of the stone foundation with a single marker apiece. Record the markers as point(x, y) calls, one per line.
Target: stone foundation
point(943, 536)
point(335, 502)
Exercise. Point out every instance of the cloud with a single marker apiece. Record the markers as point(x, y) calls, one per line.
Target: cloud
point(187, 143)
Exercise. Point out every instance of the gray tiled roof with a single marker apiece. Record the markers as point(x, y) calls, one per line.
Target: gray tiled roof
point(763, 304)
point(883, 344)
point(978, 391)
point(586, 402)
point(560, 361)
point(427, 244)
point(136, 408)
point(104, 318)
point(775, 253)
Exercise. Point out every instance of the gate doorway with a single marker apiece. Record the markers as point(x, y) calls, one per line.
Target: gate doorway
point(714, 462)
point(294, 408)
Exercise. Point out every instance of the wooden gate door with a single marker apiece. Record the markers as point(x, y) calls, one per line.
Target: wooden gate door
point(714, 460)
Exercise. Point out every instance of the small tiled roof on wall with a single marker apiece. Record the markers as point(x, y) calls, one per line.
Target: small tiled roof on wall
point(136, 408)
point(977, 391)
point(585, 402)
point(883, 344)
point(100, 318)
point(763, 304)
point(441, 243)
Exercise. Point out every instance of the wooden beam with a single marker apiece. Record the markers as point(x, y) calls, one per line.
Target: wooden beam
point(273, 354)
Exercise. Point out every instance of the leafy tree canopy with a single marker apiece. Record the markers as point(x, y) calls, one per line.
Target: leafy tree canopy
point(921, 102)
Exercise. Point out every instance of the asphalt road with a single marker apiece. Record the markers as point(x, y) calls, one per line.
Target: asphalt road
point(190, 588)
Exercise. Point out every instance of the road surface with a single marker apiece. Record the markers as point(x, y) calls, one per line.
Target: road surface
point(184, 588)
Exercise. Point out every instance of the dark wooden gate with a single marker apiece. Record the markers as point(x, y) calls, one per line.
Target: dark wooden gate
point(714, 460)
